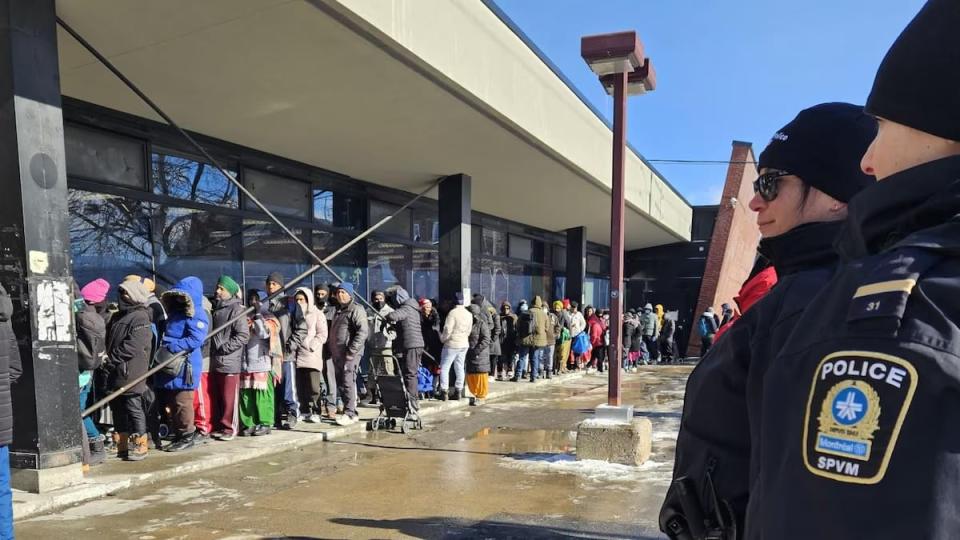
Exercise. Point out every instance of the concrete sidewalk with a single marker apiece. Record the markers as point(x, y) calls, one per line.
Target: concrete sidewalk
point(116, 475)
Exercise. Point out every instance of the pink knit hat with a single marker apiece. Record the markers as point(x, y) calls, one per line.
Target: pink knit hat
point(95, 291)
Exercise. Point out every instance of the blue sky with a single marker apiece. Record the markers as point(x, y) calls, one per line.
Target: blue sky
point(725, 70)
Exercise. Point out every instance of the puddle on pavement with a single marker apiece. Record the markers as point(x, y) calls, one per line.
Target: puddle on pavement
point(505, 440)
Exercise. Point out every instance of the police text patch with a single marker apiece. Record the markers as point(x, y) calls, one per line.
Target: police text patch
point(858, 401)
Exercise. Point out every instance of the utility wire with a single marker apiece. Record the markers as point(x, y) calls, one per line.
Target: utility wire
point(321, 263)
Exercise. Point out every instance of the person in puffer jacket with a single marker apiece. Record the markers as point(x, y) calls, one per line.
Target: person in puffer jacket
point(226, 354)
point(348, 333)
point(309, 357)
point(478, 355)
point(129, 340)
point(187, 327)
point(408, 344)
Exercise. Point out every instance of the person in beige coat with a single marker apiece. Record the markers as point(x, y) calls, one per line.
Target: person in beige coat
point(309, 357)
point(456, 341)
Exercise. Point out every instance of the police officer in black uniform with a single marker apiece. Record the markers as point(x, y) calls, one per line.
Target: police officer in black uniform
point(808, 172)
point(860, 434)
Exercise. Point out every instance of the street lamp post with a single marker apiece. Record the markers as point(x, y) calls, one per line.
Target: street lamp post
point(619, 61)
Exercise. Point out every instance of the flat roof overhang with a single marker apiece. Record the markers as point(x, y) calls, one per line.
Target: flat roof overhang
point(395, 93)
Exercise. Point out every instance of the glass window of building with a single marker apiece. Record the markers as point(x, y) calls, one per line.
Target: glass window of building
point(494, 243)
point(267, 249)
point(559, 286)
point(389, 264)
point(109, 237)
point(282, 196)
point(97, 155)
point(426, 226)
point(559, 257)
point(596, 292)
point(350, 265)
point(189, 179)
point(521, 248)
point(197, 243)
point(426, 273)
point(337, 210)
point(499, 281)
point(399, 225)
point(597, 264)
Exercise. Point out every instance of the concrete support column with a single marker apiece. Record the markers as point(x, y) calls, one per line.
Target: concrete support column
point(576, 263)
point(35, 248)
point(454, 248)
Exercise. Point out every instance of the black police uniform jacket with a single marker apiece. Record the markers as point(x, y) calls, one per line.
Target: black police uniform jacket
point(860, 431)
point(721, 408)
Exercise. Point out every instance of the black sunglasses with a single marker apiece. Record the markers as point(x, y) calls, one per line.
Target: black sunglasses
point(768, 184)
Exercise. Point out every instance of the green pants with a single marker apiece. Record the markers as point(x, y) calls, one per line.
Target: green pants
point(256, 407)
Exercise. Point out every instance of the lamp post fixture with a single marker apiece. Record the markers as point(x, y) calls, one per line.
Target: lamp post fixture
point(619, 61)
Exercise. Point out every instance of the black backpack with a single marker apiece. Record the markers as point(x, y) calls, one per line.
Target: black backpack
point(526, 325)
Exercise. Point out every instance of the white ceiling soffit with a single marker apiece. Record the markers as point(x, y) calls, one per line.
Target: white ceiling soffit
point(393, 92)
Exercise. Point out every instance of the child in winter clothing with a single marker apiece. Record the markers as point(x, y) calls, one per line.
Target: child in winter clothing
point(261, 368)
point(91, 351)
point(187, 327)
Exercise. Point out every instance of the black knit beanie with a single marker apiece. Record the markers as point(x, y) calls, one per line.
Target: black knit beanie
point(275, 277)
point(823, 145)
point(918, 83)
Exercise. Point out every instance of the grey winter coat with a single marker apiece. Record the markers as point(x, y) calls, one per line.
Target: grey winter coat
point(648, 324)
point(10, 367)
point(406, 318)
point(478, 351)
point(348, 332)
point(226, 349)
point(91, 338)
point(256, 355)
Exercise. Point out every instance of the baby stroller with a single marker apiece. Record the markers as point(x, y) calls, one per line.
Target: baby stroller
point(394, 403)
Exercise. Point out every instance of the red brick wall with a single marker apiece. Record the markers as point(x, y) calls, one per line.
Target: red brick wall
point(733, 246)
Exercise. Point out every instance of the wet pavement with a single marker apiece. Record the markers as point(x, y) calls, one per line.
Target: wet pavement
point(503, 470)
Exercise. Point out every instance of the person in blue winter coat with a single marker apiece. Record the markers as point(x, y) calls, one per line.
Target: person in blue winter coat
point(187, 327)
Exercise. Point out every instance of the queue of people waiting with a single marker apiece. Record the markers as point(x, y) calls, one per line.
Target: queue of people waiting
point(313, 356)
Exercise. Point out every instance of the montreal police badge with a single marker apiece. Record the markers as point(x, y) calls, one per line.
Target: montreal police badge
point(858, 401)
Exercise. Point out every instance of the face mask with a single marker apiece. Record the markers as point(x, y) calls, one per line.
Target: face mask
point(377, 303)
point(321, 302)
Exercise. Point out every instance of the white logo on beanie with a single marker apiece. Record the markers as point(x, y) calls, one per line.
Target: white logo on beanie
point(779, 136)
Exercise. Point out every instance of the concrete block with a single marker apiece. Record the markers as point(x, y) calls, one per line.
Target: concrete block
point(622, 414)
point(46, 480)
point(617, 442)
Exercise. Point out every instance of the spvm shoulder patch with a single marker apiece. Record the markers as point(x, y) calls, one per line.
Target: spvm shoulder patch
point(858, 402)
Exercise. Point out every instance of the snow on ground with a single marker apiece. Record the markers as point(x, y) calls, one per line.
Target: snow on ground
point(588, 469)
